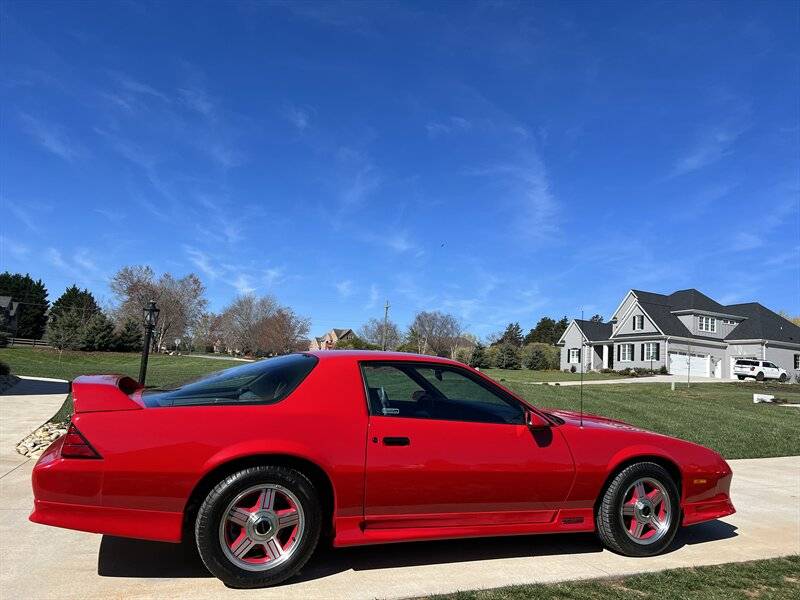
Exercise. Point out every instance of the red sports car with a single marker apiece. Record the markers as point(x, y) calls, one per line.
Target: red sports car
point(258, 462)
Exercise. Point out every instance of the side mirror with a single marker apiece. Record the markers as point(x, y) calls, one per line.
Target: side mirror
point(535, 421)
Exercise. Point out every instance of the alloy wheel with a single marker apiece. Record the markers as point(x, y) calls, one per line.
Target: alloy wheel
point(261, 527)
point(646, 511)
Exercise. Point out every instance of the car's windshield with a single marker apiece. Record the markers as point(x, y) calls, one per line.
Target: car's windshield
point(265, 381)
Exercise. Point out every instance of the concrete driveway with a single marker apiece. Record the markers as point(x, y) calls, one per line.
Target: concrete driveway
point(44, 562)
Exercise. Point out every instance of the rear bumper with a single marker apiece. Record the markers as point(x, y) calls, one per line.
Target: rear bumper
point(123, 522)
point(68, 493)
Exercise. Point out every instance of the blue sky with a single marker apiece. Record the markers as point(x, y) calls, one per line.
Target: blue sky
point(496, 160)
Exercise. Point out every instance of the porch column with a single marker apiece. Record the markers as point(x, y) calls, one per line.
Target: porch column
point(605, 356)
point(591, 357)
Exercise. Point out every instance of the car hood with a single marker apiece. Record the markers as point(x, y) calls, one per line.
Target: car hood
point(589, 420)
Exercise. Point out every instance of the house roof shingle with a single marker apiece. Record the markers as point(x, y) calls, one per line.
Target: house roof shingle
point(759, 322)
point(593, 330)
point(762, 324)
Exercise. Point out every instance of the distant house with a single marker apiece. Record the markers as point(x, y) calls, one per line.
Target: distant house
point(8, 314)
point(686, 332)
point(330, 339)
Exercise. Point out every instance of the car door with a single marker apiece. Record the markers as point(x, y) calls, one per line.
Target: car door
point(771, 370)
point(445, 447)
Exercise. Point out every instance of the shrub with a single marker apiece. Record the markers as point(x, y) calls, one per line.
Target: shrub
point(4, 339)
point(4, 369)
point(507, 357)
point(464, 355)
point(663, 370)
point(572, 369)
point(540, 357)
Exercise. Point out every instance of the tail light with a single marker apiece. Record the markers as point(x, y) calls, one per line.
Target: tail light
point(77, 446)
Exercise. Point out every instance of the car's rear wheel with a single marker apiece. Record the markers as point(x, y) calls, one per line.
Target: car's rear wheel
point(639, 512)
point(259, 526)
point(760, 377)
point(741, 377)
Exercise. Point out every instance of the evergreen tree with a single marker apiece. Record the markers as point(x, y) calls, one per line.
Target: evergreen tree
point(508, 357)
point(66, 332)
point(478, 358)
point(78, 300)
point(512, 335)
point(32, 296)
point(98, 333)
point(129, 338)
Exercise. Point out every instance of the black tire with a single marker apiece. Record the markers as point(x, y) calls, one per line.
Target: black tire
point(610, 526)
point(741, 377)
point(782, 378)
point(207, 525)
point(760, 377)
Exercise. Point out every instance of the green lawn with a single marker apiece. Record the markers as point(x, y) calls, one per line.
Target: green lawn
point(721, 416)
point(527, 376)
point(773, 579)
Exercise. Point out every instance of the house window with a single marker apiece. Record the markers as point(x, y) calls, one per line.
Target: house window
point(797, 361)
point(650, 351)
point(638, 322)
point(574, 355)
point(728, 322)
point(626, 352)
point(708, 324)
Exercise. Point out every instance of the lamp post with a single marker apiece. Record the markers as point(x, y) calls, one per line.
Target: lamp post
point(150, 320)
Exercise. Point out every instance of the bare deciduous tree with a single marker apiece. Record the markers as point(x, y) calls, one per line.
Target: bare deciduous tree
point(372, 332)
point(181, 301)
point(434, 332)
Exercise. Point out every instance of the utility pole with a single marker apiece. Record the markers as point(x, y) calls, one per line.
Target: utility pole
point(385, 324)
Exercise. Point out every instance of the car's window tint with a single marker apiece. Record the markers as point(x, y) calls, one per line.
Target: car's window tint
point(392, 392)
point(265, 381)
point(418, 391)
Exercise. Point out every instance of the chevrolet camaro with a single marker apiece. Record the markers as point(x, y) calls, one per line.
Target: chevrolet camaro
point(258, 463)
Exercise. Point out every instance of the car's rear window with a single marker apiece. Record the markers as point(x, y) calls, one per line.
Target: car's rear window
point(262, 382)
point(747, 363)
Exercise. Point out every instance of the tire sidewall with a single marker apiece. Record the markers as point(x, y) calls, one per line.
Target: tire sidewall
point(220, 497)
point(614, 497)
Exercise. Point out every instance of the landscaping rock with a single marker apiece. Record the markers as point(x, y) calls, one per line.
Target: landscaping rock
point(38, 441)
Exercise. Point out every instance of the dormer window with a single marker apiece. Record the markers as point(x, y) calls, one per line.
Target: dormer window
point(708, 324)
point(638, 322)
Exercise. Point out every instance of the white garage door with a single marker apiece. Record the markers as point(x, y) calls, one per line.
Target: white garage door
point(680, 363)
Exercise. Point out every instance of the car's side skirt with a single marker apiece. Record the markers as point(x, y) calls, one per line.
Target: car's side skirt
point(355, 531)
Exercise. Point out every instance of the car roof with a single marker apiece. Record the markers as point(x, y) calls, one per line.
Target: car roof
point(359, 355)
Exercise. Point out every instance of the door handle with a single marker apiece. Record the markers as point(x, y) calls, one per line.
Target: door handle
point(396, 441)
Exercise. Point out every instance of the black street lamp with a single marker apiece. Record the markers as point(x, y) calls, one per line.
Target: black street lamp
point(150, 320)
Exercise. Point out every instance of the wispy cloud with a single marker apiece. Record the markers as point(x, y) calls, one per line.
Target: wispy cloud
point(51, 137)
point(374, 296)
point(344, 288)
point(244, 284)
point(528, 186)
point(202, 261)
point(299, 116)
point(16, 249)
point(712, 145)
point(447, 126)
point(197, 99)
point(81, 266)
point(137, 87)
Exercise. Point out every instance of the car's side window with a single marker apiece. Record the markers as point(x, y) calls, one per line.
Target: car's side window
point(432, 392)
point(392, 392)
point(464, 399)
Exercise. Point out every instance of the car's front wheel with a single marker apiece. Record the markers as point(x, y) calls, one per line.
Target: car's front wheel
point(782, 378)
point(741, 377)
point(639, 512)
point(259, 526)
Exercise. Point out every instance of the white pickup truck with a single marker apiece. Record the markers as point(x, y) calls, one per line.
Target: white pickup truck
point(758, 370)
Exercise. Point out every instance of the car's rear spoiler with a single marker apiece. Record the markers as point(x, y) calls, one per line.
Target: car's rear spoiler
point(95, 393)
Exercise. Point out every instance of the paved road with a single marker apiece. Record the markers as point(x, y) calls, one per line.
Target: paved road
point(43, 562)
